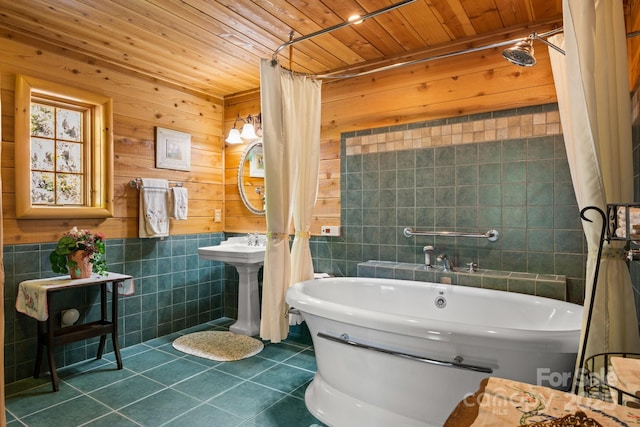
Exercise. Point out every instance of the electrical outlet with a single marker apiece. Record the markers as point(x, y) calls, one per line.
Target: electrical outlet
point(217, 216)
point(330, 230)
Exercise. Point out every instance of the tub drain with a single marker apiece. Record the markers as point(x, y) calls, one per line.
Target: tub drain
point(441, 302)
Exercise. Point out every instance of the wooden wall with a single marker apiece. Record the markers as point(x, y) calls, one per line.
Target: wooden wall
point(632, 16)
point(467, 84)
point(140, 105)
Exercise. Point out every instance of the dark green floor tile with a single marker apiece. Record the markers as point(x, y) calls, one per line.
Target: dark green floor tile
point(201, 391)
point(174, 372)
point(168, 348)
point(300, 391)
point(159, 408)
point(206, 415)
point(147, 360)
point(247, 400)
point(70, 413)
point(96, 378)
point(164, 340)
point(112, 420)
point(287, 412)
point(284, 378)
point(202, 361)
point(305, 360)
point(246, 368)
point(39, 398)
point(128, 352)
point(85, 366)
point(207, 384)
point(26, 384)
point(125, 392)
point(279, 352)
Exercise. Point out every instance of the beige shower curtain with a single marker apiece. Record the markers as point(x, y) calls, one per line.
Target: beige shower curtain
point(307, 190)
point(593, 97)
point(291, 128)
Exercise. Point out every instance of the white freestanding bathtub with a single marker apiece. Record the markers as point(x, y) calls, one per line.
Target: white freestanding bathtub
point(404, 353)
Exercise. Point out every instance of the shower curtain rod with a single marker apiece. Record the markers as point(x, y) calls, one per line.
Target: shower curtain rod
point(359, 19)
point(336, 76)
point(444, 55)
point(533, 35)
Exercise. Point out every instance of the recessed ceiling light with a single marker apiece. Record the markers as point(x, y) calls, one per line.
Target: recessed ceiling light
point(355, 19)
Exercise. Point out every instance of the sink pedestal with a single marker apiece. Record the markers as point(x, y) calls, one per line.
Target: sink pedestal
point(247, 260)
point(248, 322)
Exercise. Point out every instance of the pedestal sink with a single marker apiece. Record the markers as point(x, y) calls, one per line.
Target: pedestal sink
point(247, 260)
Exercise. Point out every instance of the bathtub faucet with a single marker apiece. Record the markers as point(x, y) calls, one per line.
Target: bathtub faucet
point(446, 265)
point(428, 255)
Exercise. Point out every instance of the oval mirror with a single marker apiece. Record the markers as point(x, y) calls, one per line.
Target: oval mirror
point(251, 178)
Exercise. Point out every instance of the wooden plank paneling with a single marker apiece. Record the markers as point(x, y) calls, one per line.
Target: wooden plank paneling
point(214, 47)
point(139, 107)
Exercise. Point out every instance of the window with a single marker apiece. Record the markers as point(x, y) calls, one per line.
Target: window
point(64, 162)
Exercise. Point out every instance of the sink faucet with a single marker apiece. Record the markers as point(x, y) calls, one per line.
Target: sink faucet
point(252, 239)
point(446, 265)
point(428, 255)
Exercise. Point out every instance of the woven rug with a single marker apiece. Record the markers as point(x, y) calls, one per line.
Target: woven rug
point(218, 345)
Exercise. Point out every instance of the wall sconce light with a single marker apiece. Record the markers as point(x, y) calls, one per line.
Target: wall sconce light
point(251, 130)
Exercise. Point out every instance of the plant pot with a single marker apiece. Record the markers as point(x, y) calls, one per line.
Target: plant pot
point(82, 268)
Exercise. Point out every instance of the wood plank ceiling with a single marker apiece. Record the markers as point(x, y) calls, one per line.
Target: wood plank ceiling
point(213, 47)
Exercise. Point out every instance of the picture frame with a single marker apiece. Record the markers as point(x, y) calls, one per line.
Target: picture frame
point(256, 164)
point(173, 149)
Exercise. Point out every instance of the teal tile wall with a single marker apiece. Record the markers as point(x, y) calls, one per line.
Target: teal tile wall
point(542, 285)
point(521, 187)
point(175, 289)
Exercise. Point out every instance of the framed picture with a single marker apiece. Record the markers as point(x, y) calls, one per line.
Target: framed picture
point(256, 164)
point(173, 149)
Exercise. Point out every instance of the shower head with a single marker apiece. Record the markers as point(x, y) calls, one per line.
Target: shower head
point(521, 54)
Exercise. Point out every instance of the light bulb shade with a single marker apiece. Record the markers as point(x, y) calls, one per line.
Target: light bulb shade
point(248, 133)
point(234, 137)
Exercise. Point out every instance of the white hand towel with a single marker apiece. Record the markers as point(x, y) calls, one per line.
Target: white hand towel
point(180, 203)
point(154, 210)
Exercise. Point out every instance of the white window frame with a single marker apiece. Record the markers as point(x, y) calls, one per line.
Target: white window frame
point(98, 155)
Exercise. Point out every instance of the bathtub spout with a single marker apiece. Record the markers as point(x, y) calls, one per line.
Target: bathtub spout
point(446, 265)
point(428, 255)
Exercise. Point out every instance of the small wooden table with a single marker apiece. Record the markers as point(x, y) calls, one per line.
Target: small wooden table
point(34, 299)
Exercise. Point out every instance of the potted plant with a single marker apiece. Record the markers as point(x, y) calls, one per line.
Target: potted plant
point(78, 253)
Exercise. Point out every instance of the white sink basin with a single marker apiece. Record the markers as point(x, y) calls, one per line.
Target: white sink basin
point(233, 253)
point(247, 260)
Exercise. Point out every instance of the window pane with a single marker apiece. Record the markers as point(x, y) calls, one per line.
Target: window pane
point(42, 123)
point(69, 123)
point(41, 154)
point(42, 188)
point(68, 157)
point(69, 189)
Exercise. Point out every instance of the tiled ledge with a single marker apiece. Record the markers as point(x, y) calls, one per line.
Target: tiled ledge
point(543, 285)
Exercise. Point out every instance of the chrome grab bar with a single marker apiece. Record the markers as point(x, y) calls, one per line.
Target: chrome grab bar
point(491, 235)
point(457, 361)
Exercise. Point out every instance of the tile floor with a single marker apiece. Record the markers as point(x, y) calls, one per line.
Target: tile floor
point(160, 386)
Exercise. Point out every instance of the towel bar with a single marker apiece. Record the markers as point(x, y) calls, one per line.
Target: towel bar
point(457, 361)
point(491, 235)
point(137, 183)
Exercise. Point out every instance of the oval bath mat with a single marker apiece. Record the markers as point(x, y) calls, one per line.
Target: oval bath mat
point(222, 346)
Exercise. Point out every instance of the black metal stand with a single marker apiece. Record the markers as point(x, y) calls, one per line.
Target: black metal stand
point(593, 288)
